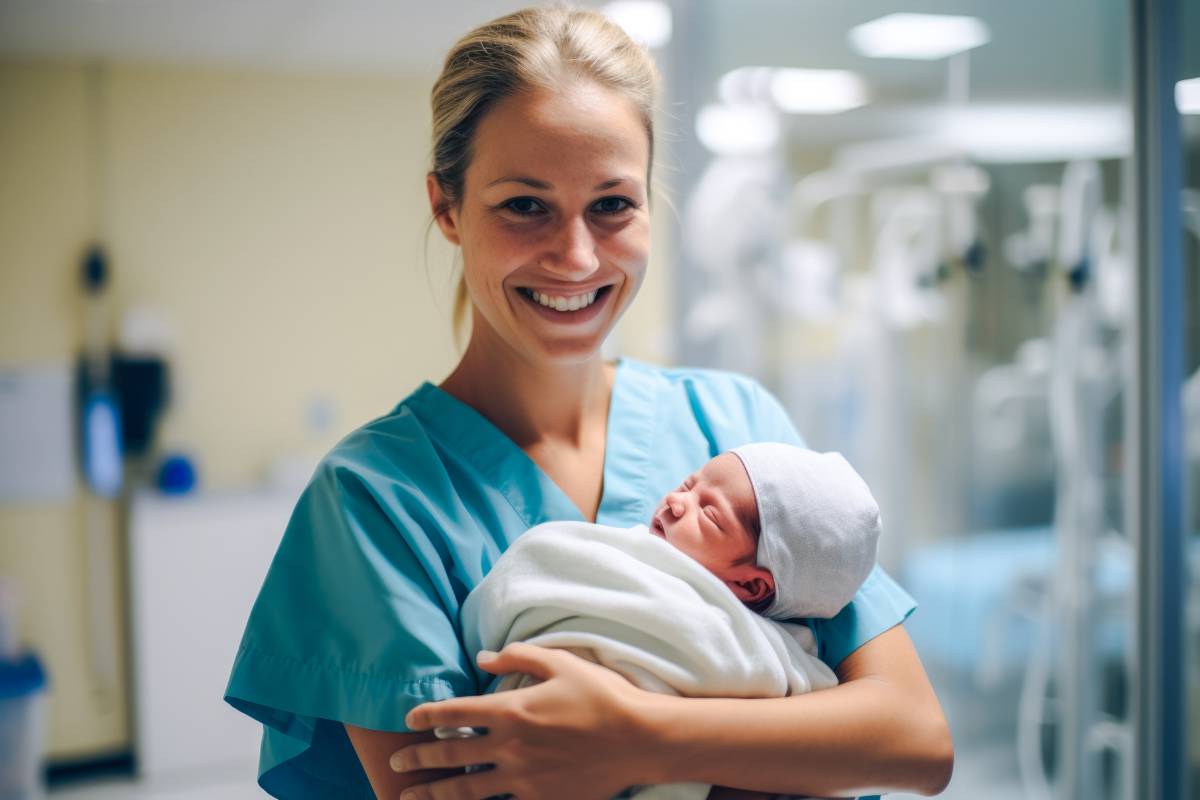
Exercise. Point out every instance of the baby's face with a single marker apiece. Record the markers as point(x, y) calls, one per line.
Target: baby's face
point(712, 517)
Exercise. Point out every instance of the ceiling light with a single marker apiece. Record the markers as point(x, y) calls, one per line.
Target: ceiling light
point(648, 22)
point(745, 85)
point(1025, 134)
point(1187, 96)
point(919, 36)
point(796, 91)
point(737, 130)
point(817, 91)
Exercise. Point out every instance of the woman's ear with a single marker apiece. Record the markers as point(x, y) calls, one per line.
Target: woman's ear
point(444, 214)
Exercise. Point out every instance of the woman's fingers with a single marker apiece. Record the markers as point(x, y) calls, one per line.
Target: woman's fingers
point(538, 662)
point(441, 754)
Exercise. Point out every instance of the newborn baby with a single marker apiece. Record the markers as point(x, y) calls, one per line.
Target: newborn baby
point(767, 528)
point(791, 532)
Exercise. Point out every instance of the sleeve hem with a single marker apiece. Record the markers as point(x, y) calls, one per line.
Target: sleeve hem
point(289, 695)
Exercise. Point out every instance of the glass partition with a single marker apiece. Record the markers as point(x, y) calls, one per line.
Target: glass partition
point(920, 232)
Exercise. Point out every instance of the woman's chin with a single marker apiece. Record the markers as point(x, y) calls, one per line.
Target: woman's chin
point(570, 353)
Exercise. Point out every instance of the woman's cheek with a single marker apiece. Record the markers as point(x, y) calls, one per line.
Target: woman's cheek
point(632, 243)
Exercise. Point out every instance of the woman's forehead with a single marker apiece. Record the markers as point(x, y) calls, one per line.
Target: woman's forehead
point(580, 135)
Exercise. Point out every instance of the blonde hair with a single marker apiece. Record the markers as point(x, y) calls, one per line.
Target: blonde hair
point(535, 48)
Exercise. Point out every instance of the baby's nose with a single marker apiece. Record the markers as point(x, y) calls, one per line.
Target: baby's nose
point(675, 503)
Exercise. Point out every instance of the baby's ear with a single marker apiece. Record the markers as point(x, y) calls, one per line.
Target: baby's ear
point(756, 586)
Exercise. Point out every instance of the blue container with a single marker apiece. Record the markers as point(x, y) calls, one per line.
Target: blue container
point(22, 727)
point(176, 475)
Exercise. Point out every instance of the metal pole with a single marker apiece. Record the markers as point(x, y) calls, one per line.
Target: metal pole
point(1154, 414)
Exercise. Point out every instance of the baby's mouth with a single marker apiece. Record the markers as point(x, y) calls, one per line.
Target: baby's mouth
point(656, 526)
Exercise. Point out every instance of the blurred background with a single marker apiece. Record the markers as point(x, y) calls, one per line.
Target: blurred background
point(958, 239)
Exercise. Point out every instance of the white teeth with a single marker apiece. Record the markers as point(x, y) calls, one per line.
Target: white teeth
point(573, 303)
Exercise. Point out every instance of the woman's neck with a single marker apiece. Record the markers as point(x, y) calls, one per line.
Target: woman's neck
point(534, 404)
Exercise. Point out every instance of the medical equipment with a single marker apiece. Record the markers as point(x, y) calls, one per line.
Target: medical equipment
point(103, 470)
point(733, 223)
point(1032, 248)
point(883, 342)
point(100, 417)
point(1084, 378)
point(1083, 622)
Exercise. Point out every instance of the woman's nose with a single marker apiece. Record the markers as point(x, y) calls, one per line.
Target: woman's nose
point(573, 253)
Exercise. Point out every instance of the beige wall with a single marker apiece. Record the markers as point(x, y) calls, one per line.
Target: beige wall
point(277, 221)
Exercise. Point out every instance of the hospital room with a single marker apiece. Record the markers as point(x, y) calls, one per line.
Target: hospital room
point(675, 399)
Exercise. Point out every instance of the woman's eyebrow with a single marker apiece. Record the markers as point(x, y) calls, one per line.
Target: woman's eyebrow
point(531, 182)
point(535, 183)
point(611, 182)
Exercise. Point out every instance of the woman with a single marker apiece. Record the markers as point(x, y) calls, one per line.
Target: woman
point(542, 154)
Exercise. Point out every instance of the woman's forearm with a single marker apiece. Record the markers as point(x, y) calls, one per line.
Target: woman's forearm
point(845, 741)
point(881, 730)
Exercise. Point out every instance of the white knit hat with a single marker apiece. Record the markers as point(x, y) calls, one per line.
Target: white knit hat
point(819, 527)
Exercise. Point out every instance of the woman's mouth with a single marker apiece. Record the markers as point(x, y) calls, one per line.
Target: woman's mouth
point(560, 307)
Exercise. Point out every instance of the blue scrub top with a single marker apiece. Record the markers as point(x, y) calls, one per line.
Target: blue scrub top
point(358, 617)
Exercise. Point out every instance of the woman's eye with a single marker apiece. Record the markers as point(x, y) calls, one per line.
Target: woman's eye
point(524, 206)
point(612, 205)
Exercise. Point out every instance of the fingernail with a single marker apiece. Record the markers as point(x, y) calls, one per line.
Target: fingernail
point(485, 655)
point(396, 763)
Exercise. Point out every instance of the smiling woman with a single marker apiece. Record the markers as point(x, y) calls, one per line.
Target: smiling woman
point(543, 146)
point(552, 212)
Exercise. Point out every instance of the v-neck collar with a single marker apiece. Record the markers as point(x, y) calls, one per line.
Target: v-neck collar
point(531, 492)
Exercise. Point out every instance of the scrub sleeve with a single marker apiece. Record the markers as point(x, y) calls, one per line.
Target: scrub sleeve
point(348, 627)
point(358, 617)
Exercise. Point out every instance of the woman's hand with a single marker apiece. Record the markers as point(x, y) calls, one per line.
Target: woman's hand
point(574, 734)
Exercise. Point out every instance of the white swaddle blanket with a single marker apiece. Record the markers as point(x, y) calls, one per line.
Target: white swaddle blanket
point(628, 600)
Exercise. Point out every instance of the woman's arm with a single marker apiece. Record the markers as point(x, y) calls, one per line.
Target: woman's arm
point(880, 730)
point(374, 749)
